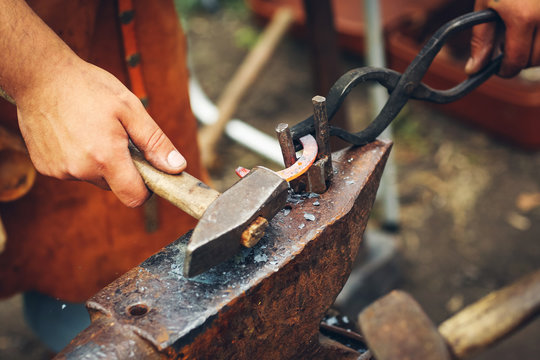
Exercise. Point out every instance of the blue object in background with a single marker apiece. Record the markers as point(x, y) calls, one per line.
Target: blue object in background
point(55, 322)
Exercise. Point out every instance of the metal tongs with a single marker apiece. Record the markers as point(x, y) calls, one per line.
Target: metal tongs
point(403, 87)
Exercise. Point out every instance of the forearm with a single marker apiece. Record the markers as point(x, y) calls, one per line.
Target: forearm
point(31, 52)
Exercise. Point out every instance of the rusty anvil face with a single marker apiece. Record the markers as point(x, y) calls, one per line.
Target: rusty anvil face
point(266, 303)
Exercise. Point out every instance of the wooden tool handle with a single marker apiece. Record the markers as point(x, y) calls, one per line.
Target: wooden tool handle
point(183, 190)
point(3, 237)
point(17, 173)
point(493, 317)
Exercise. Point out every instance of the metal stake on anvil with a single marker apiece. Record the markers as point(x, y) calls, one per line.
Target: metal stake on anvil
point(321, 171)
point(286, 143)
point(288, 152)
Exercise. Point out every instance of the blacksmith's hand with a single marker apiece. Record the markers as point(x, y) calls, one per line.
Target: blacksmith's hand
point(519, 39)
point(77, 126)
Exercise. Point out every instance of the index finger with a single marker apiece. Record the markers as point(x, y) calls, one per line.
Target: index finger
point(124, 180)
point(482, 45)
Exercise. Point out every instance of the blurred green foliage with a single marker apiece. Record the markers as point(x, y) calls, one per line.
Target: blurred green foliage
point(409, 132)
point(246, 37)
point(187, 7)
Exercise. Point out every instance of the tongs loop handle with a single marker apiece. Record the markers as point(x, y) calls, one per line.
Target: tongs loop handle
point(403, 87)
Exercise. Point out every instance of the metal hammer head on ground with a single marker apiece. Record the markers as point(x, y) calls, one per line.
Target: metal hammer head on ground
point(396, 327)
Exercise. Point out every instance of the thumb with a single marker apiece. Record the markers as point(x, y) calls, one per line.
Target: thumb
point(482, 44)
point(152, 142)
point(159, 151)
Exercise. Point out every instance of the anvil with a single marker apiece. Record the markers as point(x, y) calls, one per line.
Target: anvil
point(265, 303)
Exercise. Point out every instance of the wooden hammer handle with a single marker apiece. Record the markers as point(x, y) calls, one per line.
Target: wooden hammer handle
point(183, 190)
point(493, 317)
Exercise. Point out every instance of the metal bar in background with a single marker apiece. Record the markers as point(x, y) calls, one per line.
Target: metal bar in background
point(322, 39)
point(375, 56)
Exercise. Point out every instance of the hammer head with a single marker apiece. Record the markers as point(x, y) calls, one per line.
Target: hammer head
point(217, 237)
point(396, 327)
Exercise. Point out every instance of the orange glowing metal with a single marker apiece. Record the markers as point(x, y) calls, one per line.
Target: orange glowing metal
point(300, 166)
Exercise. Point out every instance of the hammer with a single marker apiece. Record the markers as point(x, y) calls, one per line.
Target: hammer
point(396, 327)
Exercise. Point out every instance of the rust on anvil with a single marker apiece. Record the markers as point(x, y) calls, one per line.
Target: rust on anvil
point(266, 303)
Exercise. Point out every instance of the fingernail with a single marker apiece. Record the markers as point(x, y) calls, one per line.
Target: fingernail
point(175, 159)
point(469, 67)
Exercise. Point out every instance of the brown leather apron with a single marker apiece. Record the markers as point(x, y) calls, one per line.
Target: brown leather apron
point(68, 239)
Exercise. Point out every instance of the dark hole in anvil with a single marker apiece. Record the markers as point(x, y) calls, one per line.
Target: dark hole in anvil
point(138, 310)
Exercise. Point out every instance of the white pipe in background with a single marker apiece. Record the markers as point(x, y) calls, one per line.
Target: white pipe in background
point(244, 134)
